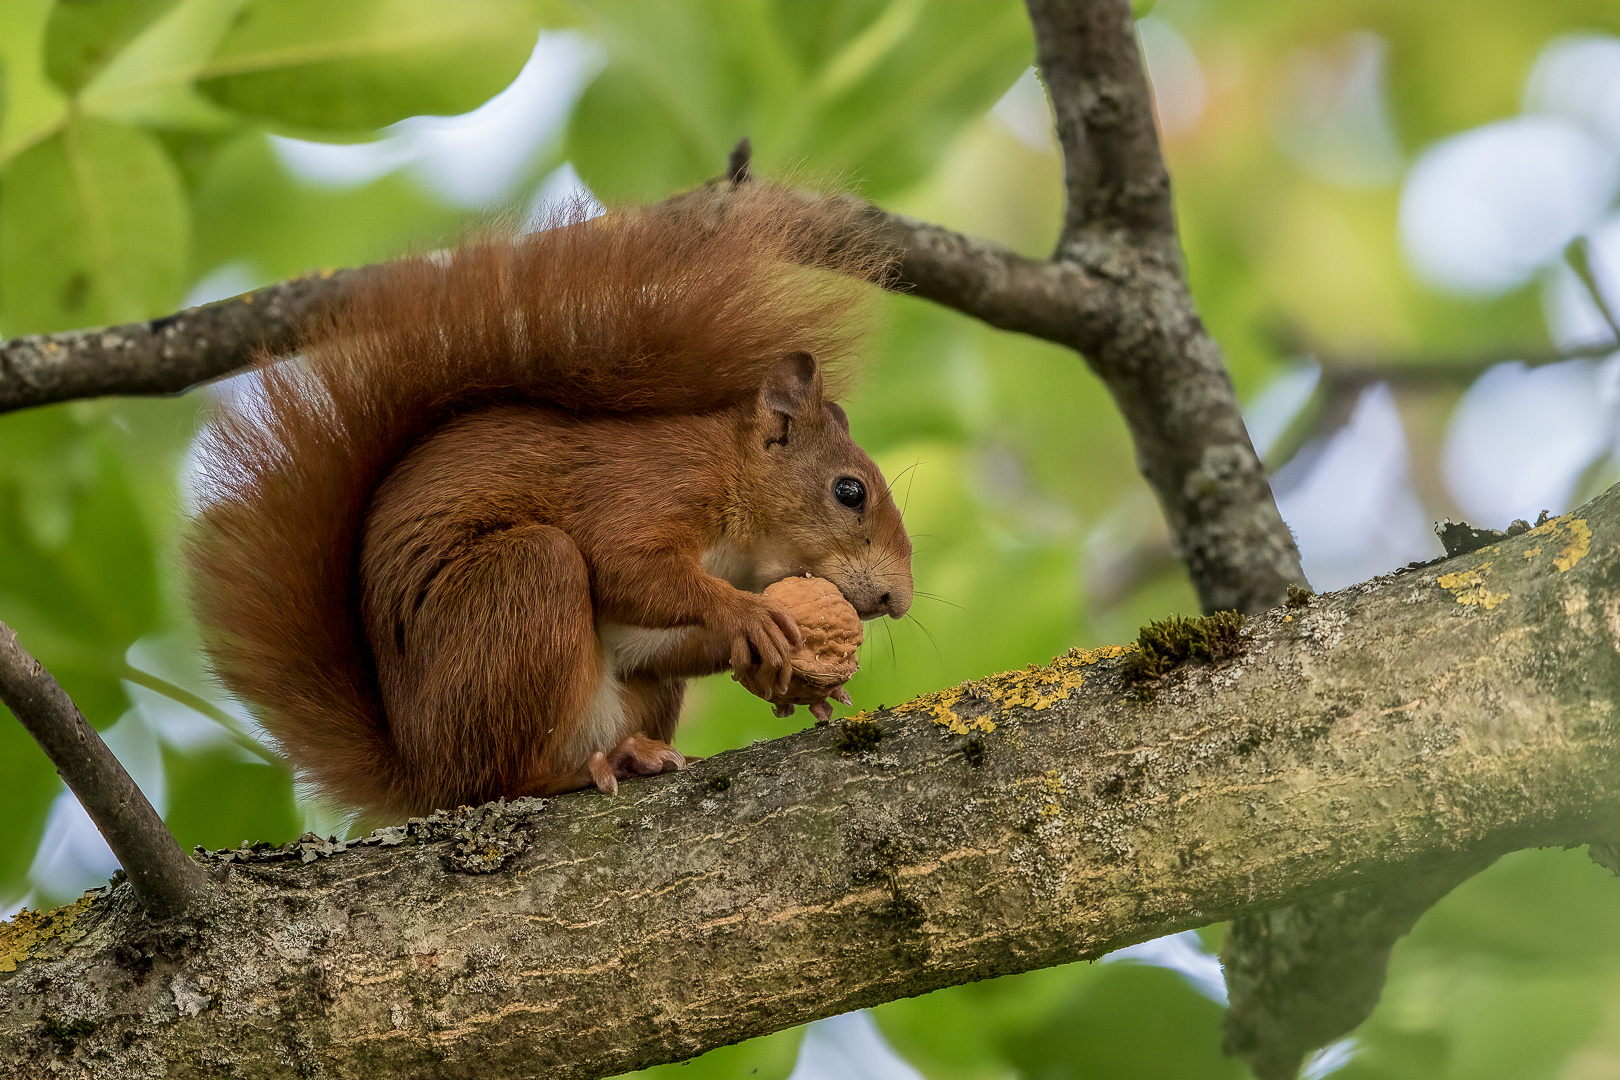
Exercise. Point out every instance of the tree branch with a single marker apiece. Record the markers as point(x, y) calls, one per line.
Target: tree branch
point(163, 356)
point(1113, 172)
point(1301, 976)
point(1033, 818)
point(166, 881)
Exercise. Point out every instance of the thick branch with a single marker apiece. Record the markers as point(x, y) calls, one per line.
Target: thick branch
point(1043, 816)
point(1163, 369)
point(1301, 976)
point(166, 881)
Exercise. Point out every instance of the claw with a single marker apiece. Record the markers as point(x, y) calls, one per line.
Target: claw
point(635, 756)
point(782, 712)
point(602, 774)
point(841, 696)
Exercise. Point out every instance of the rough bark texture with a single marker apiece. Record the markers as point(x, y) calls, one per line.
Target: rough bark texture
point(1440, 716)
point(1164, 370)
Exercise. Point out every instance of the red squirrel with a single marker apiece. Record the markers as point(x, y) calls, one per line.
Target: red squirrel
point(472, 540)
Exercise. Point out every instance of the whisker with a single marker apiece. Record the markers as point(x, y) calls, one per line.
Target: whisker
point(930, 636)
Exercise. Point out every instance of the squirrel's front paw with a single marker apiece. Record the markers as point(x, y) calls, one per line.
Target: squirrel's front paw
point(763, 637)
point(824, 661)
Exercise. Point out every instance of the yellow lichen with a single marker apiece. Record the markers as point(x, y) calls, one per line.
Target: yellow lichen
point(1053, 783)
point(1036, 687)
point(1573, 533)
point(1468, 587)
point(1580, 542)
point(32, 931)
point(1087, 657)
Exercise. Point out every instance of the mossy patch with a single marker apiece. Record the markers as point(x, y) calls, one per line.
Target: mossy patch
point(1163, 646)
point(857, 735)
point(1298, 597)
point(42, 933)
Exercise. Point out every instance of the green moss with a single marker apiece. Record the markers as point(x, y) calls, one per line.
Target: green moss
point(1163, 646)
point(1298, 597)
point(857, 735)
point(64, 1033)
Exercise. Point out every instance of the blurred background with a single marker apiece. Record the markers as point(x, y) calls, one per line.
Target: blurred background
point(1400, 221)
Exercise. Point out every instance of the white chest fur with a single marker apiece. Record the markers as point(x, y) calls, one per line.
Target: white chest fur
point(626, 648)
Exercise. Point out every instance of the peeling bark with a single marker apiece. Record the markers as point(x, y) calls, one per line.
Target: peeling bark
point(1441, 716)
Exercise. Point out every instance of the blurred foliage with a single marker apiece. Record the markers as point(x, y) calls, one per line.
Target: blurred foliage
point(136, 162)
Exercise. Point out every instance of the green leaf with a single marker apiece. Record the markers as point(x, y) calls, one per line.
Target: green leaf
point(217, 799)
point(962, 1032)
point(296, 227)
point(769, 1057)
point(33, 104)
point(78, 575)
point(81, 36)
point(94, 229)
point(870, 92)
point(28, 785)
point(1128, 1021)
point(346, 69)
point(149, 80)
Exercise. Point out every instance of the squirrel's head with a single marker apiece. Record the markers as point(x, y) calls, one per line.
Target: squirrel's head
point(820, 505)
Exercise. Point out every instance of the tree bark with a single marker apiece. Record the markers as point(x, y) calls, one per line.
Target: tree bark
point(167, 355)
point(1437, 716)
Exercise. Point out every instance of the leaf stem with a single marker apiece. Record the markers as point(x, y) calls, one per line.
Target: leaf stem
point(239, 734)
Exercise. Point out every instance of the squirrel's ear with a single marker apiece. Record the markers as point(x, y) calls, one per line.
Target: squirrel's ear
point(792, 386)
point(840, 417)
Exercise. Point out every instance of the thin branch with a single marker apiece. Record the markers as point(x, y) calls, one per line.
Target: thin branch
point(1578, 253)
point(1060, 302)
point(1113, 171)
point(739, 166)
point(1364, 368)
point(162, 356)
point(166, 880)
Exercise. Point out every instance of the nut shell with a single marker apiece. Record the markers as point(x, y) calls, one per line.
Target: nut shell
point(832, 635)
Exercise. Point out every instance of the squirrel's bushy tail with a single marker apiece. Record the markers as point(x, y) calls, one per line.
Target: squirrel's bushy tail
point(667, 309)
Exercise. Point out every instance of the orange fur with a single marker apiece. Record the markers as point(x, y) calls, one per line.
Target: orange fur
point(508, 499)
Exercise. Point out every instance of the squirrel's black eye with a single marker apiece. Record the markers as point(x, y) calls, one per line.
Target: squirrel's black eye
point(849, 491)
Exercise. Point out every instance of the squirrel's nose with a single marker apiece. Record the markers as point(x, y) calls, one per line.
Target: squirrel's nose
point(893, 604)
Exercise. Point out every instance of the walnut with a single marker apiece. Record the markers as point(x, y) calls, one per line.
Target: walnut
point(832, 635)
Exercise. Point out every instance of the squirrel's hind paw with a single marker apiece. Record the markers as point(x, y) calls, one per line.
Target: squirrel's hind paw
point(635, 756)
